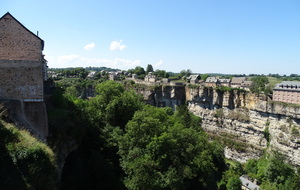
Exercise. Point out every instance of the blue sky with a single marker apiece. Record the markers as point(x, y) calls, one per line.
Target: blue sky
point(205, 36)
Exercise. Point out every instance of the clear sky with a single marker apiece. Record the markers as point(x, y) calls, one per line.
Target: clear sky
point(205, 36)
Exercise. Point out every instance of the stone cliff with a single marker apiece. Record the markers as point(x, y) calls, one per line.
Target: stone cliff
point(247, 125)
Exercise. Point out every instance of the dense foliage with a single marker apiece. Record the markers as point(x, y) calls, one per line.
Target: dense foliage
point(25, 162)
point(161, 151)
point(125, 144)
point(273, 173)
point(148, 147)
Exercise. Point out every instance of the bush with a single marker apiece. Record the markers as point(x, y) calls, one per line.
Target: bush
point(241, 114)
point(34, 162)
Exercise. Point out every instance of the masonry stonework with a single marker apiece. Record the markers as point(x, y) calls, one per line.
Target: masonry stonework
point(22, 65)
point(21, 80)
point(23, 71)
point(17, 42)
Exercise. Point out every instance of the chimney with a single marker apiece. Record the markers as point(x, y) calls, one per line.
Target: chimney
point(255, 182)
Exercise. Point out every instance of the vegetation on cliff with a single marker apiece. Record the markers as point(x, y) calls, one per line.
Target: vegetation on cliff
point(25, 162)
point(125, 144)
point(130, 145)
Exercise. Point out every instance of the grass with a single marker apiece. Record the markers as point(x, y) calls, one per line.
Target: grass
point(28, 161)
point(273, 81)
point(284, 104)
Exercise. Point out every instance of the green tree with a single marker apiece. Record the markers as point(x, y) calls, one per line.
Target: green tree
point(159, 152)
point(234, 183)
point(185, 73)
point(204, 76)
point(149, 68)
point(139, 70)
point(161, 73)
point(259, 84)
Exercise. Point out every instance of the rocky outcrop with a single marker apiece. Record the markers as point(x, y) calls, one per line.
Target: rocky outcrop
point(162, 95)
point(247, 124)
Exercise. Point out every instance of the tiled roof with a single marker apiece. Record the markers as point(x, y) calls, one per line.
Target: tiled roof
point(212, 79)
point(247, 83)
point(224, 80)
point(238, 80)
point(288, 86)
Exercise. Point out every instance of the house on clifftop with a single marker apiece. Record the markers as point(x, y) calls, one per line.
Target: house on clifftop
point(287, 91)
point(23, 72)
point(22, 63)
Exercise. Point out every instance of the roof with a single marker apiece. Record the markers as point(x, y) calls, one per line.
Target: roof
point(247, 83)
point(247, 183)
point(193, 77)
point(224, 80)
point(238, 80)
point(9, 15)
point(212, 79)
point(288, 86)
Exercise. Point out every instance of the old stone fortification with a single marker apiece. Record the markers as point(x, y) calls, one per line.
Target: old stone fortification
point(248, 125)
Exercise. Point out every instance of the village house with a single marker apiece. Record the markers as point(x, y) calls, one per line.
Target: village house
point(246, 85)
point(247, 184)
point(193, 79)
point(224, 82)
point(91, 74)
point(212, 81)
point(287, 91)
point(150, 78)
point(236, 82)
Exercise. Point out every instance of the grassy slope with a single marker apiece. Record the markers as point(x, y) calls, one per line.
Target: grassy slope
point(25, 162)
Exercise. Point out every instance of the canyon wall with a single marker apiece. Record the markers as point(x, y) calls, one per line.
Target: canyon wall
point(247, 124)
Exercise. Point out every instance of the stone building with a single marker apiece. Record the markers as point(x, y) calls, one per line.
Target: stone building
point(212, 81)
point(287, 91)
point(236, 82)
point(22, 63)
point(225, 82)
point(23, 72)
point(150, 78)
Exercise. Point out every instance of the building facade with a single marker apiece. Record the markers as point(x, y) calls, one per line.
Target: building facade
point(287, 91)
point(22, 63)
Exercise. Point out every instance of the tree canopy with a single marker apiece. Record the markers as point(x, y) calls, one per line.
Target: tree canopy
point(159, 152)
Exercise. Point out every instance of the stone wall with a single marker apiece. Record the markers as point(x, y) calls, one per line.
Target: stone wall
point(31, 116)
point(21, 80)
point(17, 42)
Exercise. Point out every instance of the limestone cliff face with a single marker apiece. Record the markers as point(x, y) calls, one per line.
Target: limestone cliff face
point(162, 95)
point(248, 125)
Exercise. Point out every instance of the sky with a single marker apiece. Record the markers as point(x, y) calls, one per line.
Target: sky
point(205, 36)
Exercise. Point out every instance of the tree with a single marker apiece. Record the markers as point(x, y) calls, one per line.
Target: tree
point(161, 73)
point(139, 70)
point(259, 84)
point(185, 73)
point(234, 183)
point(159, 152)
point(204, 76)
point(149, 68)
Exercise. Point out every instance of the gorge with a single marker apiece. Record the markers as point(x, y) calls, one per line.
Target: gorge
point(246, 123)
